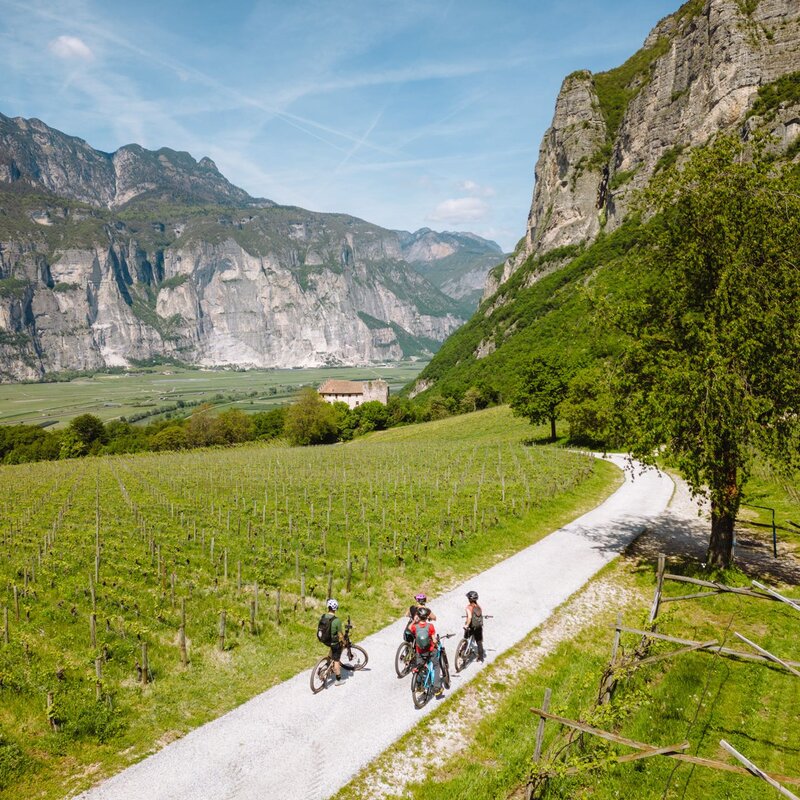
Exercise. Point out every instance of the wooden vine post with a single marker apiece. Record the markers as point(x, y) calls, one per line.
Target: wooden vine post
point(145, 666)
point(182, 634)
point(222, 621)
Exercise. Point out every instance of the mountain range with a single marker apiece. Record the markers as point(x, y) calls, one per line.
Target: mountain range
point(111, 259)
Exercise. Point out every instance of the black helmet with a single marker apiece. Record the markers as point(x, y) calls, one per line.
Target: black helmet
point(423, 613)
point(472, 597)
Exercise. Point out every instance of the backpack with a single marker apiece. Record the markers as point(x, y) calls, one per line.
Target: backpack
point(477, 617)
point(422, 638)
point(324, 629)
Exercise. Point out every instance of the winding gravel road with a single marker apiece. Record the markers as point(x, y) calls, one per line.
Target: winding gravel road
point(289, 744)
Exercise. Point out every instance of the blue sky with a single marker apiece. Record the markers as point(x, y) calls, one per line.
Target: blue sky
point(407, 114)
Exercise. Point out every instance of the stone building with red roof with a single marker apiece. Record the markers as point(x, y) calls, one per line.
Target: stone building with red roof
point(354, 393)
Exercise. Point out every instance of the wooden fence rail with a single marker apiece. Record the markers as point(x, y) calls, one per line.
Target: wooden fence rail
point(669, 751)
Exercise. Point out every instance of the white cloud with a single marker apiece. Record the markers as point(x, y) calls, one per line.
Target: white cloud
point(475, 189)
point(70, 48)
point(459, 210)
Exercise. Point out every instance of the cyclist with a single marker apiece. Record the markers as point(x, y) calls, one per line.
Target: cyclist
point(474, 624)
point(421, 600)
point(425, 644)
point(331, 632)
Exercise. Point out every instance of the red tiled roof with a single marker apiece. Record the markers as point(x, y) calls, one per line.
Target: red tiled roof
point(341, 387)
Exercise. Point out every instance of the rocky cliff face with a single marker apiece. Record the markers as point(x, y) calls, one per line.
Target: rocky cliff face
point(455, 262)
point(267, 288)
point(40, 157)
point(107, 259)
point(698, 73)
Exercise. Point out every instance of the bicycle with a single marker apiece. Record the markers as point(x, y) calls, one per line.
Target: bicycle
point(354, 658)
point(467, 650)
point(424, 676)
point(404, 658)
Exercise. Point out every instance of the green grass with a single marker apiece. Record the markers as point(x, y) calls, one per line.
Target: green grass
point(696, 697)
point(269, 508)
point(779, 492)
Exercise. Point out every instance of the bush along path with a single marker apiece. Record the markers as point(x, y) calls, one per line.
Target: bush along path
point(293, 744)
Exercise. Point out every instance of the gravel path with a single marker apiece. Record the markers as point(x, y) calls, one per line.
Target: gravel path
point(288, 743)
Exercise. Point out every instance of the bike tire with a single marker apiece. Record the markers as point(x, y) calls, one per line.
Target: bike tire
point(445, 667)
point(403, 660)
point(420, 693)
point(321, 675)
point(462, 655)
point(354, 657)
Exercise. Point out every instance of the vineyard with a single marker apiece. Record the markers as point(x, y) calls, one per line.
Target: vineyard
point(143, 595)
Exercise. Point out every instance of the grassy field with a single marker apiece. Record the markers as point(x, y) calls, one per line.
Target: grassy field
point(112, 547)
point(110, 396)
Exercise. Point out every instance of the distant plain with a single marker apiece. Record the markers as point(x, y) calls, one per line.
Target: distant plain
point(111, 396)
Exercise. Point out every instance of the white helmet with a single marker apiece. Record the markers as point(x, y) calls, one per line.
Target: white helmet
point(333, 605)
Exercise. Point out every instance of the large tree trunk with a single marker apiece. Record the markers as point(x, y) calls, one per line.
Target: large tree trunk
point(723, 518)
point(720, 546)
point(553, 428)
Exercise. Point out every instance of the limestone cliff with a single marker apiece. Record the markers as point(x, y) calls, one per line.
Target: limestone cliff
point(454, 261)
point(108, 259)
point(698, 73)
point(270, 287)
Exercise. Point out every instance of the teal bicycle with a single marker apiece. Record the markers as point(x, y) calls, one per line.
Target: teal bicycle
point(424, 676)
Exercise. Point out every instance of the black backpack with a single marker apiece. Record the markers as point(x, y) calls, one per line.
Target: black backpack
point(324, 629)
point(477, 617)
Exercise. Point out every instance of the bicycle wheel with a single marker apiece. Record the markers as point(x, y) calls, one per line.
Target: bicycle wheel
point(462, 655)
point(421, 687)
point(445, 667)
point(403, 659)
point(354, 657)
point(321, 675)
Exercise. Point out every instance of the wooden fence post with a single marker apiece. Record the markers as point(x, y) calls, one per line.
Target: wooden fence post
point(657, 596)
point(182, 634)
point(93, 629)
point(222, 619)
point(751, 767)
point(537, 753)
point(145, 665)
point(98, 686)
point(51, 718)
point(252, 616)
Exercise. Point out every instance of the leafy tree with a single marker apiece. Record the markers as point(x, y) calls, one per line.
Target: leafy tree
point(235, 426)
point(589, 407)
point(269, 424)
point(371, 416)
point(710, 374)
point(202, 429)
point(542, 388)
point(71, 445)
point(88, 429)
point(310, 420)
point(172, 437)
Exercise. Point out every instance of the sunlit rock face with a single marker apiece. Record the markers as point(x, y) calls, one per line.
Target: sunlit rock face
point(110, 259)
point(702, 69)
